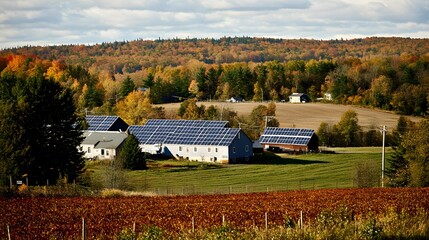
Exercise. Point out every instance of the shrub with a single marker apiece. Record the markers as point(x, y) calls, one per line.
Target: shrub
point(111, 192)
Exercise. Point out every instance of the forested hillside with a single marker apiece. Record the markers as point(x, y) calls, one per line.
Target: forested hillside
point(387, 73)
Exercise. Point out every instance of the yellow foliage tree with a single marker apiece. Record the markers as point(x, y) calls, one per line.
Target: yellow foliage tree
point(56, 71)
point(135, 109)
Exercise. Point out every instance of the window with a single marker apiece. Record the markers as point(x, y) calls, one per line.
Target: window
point(102, 151)
point(233, 149)
point(215, 149)
point(246, 148)
point(209, 149)
point(180, 148)
point(89, 150)
point(195, 149)
point(107, 152)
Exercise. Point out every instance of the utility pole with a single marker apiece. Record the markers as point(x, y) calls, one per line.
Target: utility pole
point(383, 131)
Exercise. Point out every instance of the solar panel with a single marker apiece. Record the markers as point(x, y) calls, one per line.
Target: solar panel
point(189, 132)
point(100, 123)
point(290, 136)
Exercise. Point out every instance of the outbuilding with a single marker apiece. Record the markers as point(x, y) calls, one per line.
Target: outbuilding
point(299, 98)
point(290, 139)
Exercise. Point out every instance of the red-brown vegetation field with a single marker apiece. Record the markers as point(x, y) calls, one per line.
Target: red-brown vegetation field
point(61, 218)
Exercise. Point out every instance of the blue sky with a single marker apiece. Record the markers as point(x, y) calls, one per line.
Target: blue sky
point(55, 22)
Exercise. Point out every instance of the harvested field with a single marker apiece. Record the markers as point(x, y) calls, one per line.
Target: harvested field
point(61, 218)
point(310, 115)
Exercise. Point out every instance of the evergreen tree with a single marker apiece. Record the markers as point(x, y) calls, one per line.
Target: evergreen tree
point(131, 154)
point(38, 131)
point(127, 87)
point(397, 172)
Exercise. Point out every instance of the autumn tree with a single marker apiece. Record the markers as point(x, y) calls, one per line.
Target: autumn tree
point(416, 145)
point(325, 134)
point(347, 129)
point(190, 110)
point(136, 108)
point(381, 92)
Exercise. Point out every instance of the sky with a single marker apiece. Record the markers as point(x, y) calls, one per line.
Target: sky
point(57, 22)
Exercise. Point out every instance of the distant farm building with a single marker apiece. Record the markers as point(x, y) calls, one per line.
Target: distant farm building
point(299, 98)
point(196, 140)
point(290, 139)
point(235, 99)
point(102, 145)
point(106, 123)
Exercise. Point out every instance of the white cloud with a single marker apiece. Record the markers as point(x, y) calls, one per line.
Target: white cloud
point(45, 22)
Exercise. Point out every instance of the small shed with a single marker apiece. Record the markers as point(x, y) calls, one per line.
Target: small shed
point(299, 98)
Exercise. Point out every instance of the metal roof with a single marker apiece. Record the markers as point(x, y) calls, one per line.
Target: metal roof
point(107, 140)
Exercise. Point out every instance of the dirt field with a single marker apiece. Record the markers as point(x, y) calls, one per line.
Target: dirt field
point(310, 115)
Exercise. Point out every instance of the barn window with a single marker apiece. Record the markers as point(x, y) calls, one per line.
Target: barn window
point(215, 149)
point(246, 148)
point(102, 151)
point(180, 148)
point(209, 149)
point(107, 152)
point(89, 149)
point(195, 149)
point(233, 149)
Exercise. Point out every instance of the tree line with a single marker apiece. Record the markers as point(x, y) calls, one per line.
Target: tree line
point(399, 84)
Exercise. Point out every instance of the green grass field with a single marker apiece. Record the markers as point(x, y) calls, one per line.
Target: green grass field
point(269, 173)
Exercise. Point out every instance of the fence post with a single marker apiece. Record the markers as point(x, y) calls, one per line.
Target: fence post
point(10, 181)
point(266, 221)
point(301, 221)
point(83, 229)
point(193, 225)
point(223, 220)
point(8, 232)
point(134, 227)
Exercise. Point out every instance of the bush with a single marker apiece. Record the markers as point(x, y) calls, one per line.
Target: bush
point(109, 192)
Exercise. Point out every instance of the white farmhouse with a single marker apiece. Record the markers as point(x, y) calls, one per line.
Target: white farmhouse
point(102, 145)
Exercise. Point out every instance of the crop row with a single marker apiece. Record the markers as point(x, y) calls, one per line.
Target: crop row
point(42, 218)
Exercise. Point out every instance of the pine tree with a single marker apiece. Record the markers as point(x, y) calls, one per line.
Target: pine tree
point(127, 87)
point(131, 154)
point(39, 131)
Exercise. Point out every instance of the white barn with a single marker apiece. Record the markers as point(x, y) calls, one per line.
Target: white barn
point(299, 98)
point(195, 140)
point(102, 145)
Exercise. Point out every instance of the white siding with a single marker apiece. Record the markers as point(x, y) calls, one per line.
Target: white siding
point(100, 153)
point(199, 152)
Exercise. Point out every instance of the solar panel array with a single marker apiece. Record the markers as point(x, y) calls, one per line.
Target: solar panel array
point(186, 132)
point(289, 136)
point(100, 123)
